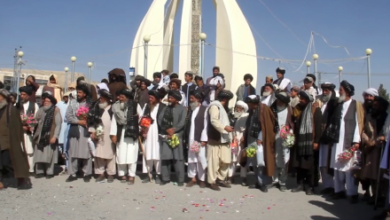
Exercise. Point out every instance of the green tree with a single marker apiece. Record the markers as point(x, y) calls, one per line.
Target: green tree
point(383, 92)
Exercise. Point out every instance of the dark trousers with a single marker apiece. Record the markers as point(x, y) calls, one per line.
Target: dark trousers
point(5, 164)
point(305, 177)
point(166, 170)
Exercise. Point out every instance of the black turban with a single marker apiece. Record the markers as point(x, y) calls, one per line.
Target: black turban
point(348, 87)
point(146, 81)
point(157, 75)
point(280, 70)
point(197, 94)
point(270, 85)
point(84, 88)
point(175, 94)
point(282, 96)
point(328, 85)
point(252, 99)
point(50, 96)
point(225, 94)
point(127, 93)
point(383, 102)
point(26, 89)
point(106, 94)
point(156, 94)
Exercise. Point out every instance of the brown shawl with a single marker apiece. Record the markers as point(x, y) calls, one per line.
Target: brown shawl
point(267, 121)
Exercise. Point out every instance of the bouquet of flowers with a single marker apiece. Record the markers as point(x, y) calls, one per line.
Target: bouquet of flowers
point(99, 131)
point(251, 151)
point(195, 147)
point(174, 141)
point(234, 145)
point(145, 123)
point(287, 135)
point(29, 120)
point(347, 154)
point(82, 113)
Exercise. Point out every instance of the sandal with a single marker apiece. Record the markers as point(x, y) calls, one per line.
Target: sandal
point(123, 179)
point(131, 181)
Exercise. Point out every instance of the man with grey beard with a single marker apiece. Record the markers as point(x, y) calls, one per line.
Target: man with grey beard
point(327, 102)
point(268, 96)
point(13, 158)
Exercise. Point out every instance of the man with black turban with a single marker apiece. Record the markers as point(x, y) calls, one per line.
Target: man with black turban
point(327, 103)
point(172, 122)
point(284, 84)
point(28, 109)
point(117, 81)
point(78, 134)
point(246, 89)
point(343, 133)
point(194, 125)
point(372, 141)
point(217, 133)
point(260, 131)
point(307, 133)
point(151, 139)
point(143, 95)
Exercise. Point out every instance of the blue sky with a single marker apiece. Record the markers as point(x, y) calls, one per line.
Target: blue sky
point(103, 31)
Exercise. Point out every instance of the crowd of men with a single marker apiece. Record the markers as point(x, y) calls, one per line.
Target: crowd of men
point(173, 125)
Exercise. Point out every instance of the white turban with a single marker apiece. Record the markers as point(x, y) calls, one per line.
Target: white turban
point(242, 105)
point(371, 91)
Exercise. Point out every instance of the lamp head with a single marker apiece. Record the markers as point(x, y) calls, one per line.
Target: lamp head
point(368, 51)
point(202, 36)
point(308, 63)
point(341, 68)
point(73, 59)
point(315, 56)
point(66, 69)
point(90, 64)
point(147, 38)
point(20, 54)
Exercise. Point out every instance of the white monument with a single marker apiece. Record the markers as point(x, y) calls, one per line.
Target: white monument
point(235, 44)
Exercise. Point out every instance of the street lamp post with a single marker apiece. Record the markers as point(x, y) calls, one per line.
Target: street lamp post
point(202, 37)
point(308, 64)
point(90, 64)
point(340, 70)
point(66, 69)
point(146, 42)
point(369, 52)
point(73, 59)
point(19, 63)
point(315, 58)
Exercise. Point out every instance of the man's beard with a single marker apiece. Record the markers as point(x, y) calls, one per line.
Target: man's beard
point(238, 114)
point(103, 105)
point(326, 98)
point(342, 98)
point(280, 108)
point(152, 106)
point(3, 104)
point(80, 99)
point(266, 94)
point(46, 107)
point(23, 101)
point(194, 105)
point(368, 104)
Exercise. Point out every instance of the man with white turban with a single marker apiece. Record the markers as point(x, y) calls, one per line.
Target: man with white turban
point(241, 116)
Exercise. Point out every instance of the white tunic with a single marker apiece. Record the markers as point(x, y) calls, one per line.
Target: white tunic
point(282, 154)
point(339, 147)
point(152, 144)
point(28, 137)
point(126, 148)
point(265, 100)
point(324, 148)
point(192, 156)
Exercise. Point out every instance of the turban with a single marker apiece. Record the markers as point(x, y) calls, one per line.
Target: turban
point(102, 86)
point(175, 80)
point(282, 96)
point(272, 86)
point(105, 93)
point(197, 94)
point(252, 99)
point(50, 96)
point(296, 88)
point(127, 93)
point(156, 94)
point(174, 76)
point(4, 93)
point(157, 75)
point(117, 72)
point(26, 89)
point(348, 87)
point(383, 102)
point(175, 94)
point(83, 88)
point(328, 85)
point(225, 94)
point(146, 81)
point(306, 95)
point(371, 91)
point(280, 70)
point(312, 76)
point(242, 105)
point(308, 78)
